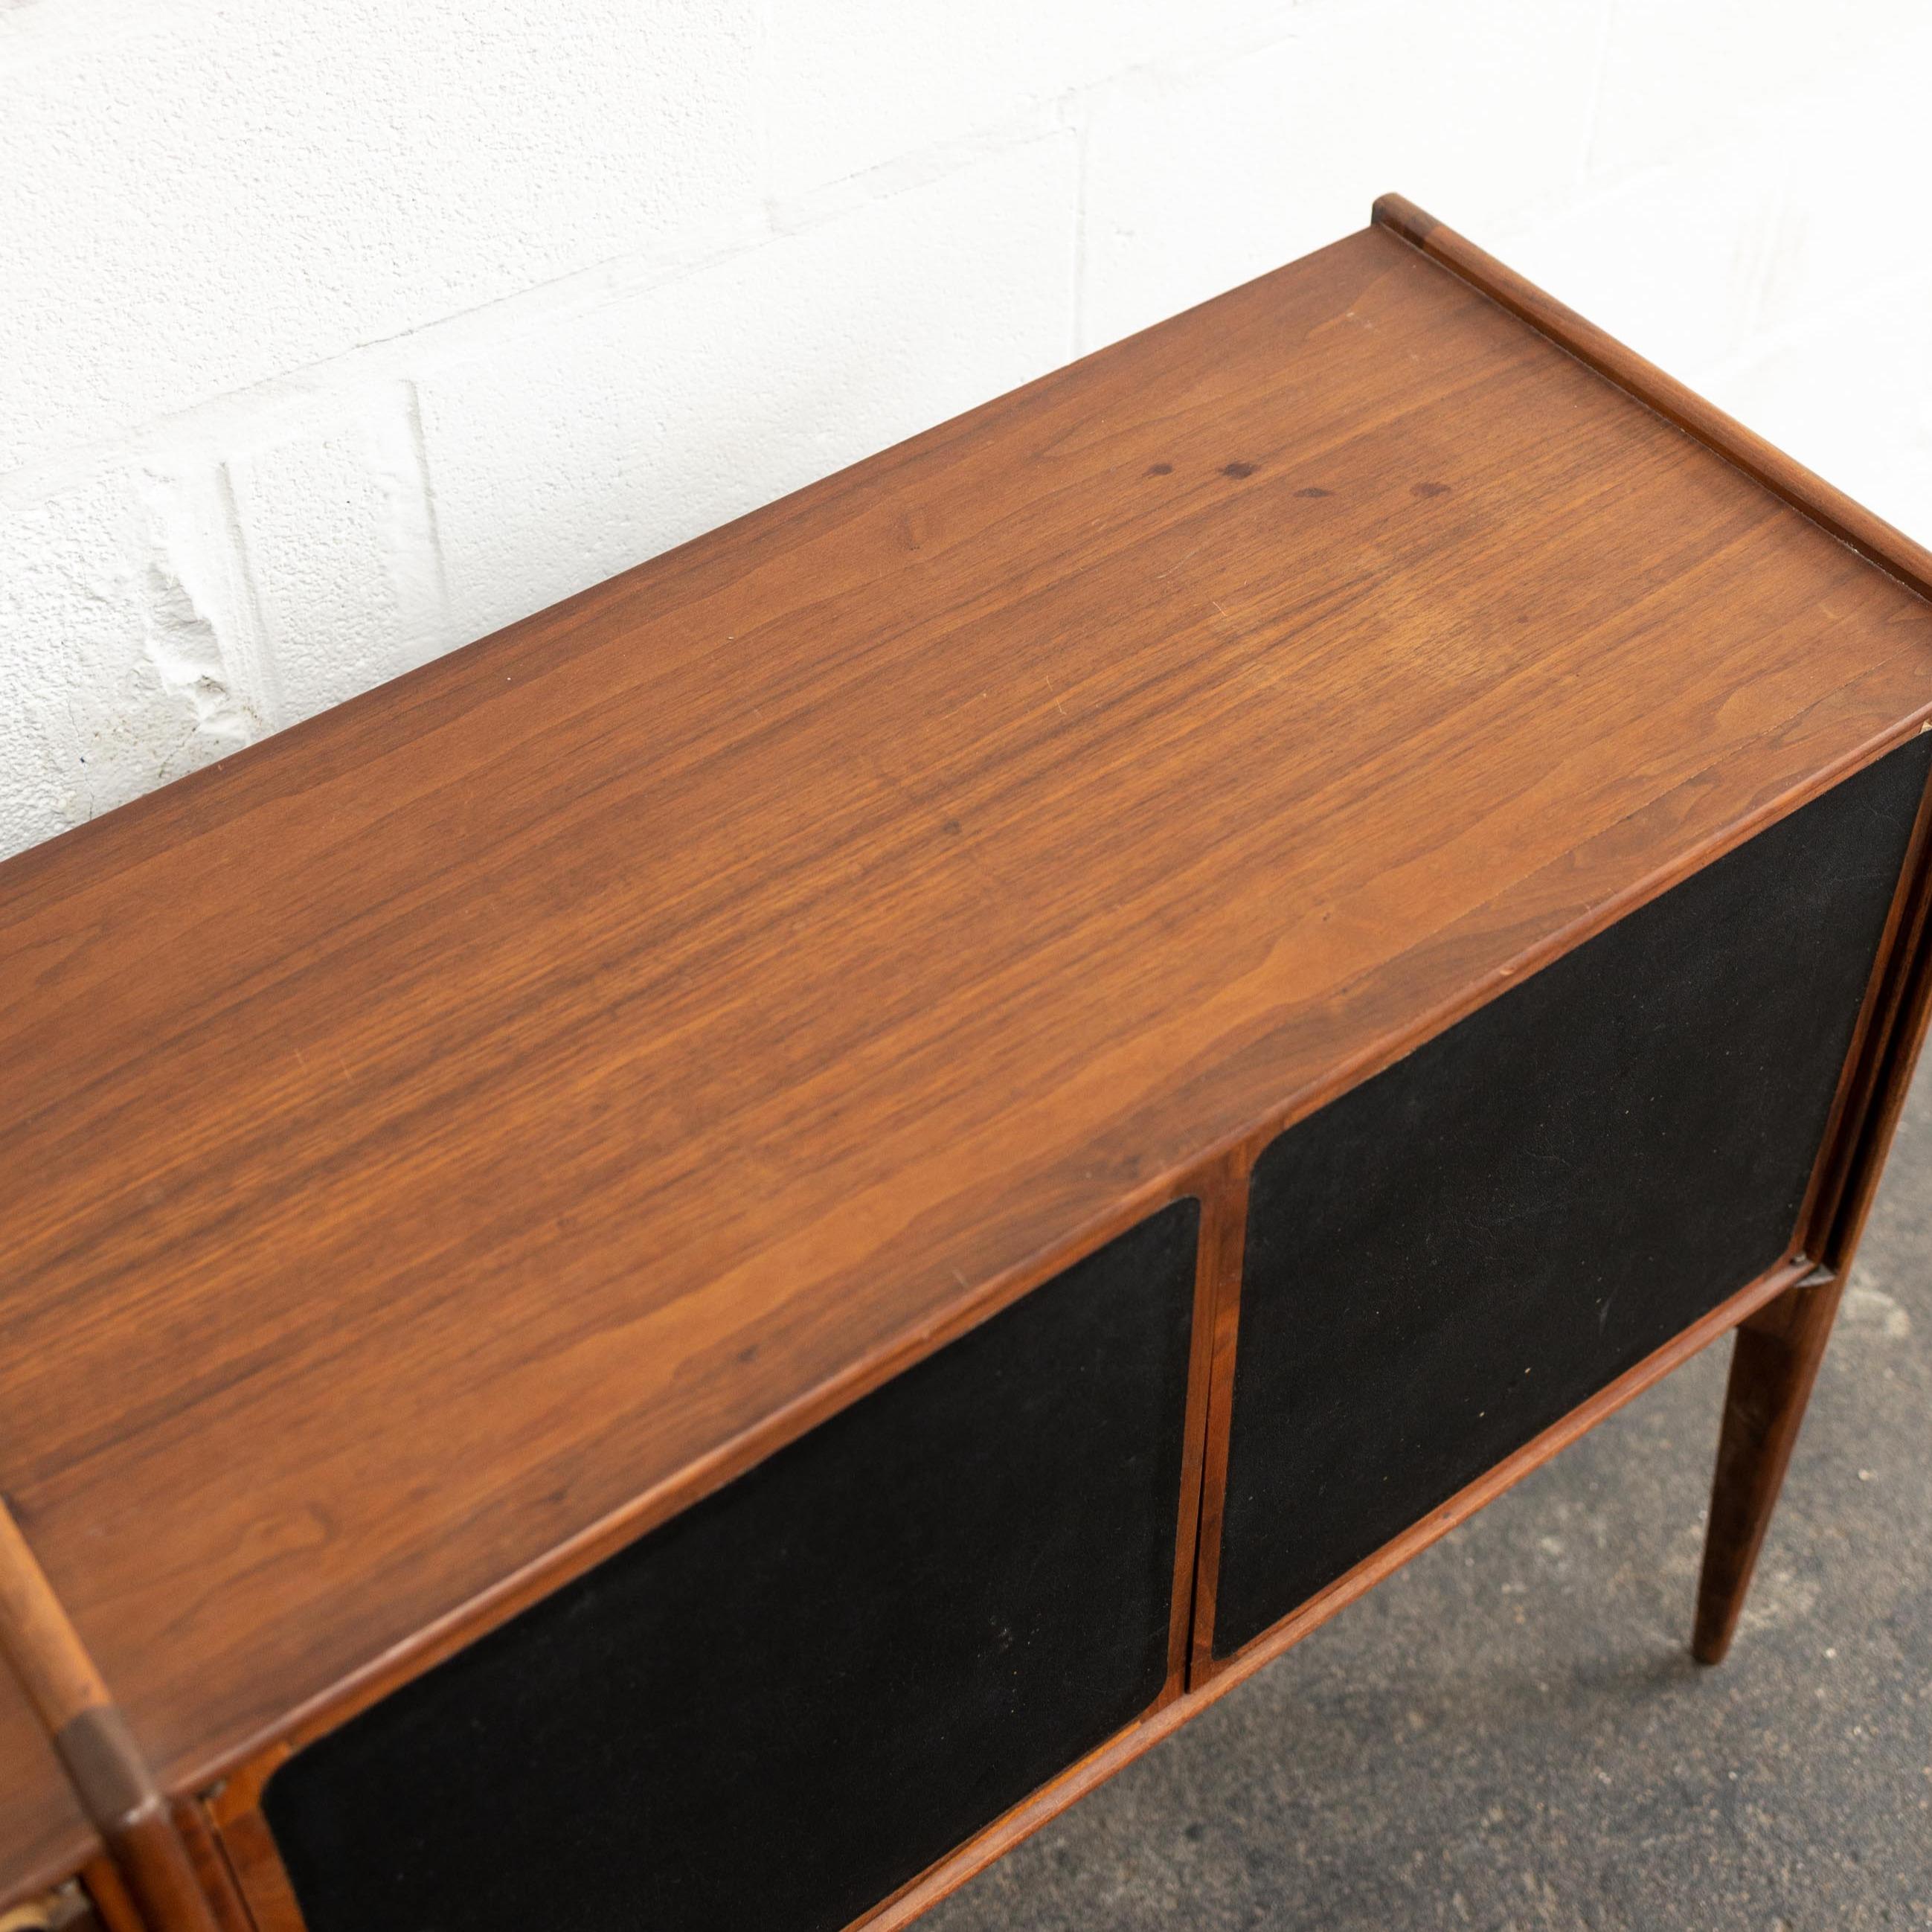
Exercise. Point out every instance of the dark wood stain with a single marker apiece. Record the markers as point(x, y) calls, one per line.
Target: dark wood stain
point(1774, 1362)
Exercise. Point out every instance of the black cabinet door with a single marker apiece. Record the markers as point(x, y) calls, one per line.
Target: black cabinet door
point(779, 1708)
point(1451, 1256)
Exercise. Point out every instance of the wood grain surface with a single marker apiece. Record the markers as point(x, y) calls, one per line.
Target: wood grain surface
point(1831, 509)
point(438, 1142)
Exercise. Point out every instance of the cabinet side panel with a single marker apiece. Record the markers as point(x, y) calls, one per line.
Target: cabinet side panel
point(1453, 1255)
point(786, 1703)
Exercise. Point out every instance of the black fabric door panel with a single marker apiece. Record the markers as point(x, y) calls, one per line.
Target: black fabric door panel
point(777, 1708)
point(1451, 1256)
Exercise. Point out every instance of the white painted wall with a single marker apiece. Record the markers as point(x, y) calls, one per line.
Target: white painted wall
point(333, 335)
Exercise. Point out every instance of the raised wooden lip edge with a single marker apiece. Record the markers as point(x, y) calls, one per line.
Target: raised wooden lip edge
point(1874, 539)
point(248, 1762)
point(40, 1645)
point(97, 1751)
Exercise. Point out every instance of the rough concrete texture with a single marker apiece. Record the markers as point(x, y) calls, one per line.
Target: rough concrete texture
point(1509, 1734)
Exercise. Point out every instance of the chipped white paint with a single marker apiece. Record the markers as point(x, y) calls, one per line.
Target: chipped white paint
point(333, 336)
point(203, 638)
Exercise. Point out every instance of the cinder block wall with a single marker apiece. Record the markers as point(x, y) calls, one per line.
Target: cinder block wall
point(332, 336)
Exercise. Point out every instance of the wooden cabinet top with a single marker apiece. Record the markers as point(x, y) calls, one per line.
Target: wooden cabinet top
point(452, 1134)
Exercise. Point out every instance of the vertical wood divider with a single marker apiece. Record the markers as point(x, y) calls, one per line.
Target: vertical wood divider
point(1224, 1229)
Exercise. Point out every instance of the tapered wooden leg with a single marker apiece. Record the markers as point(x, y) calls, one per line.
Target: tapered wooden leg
point(1778, 1353)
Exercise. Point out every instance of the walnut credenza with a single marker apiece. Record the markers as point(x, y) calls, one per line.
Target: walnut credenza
point(685, 1269)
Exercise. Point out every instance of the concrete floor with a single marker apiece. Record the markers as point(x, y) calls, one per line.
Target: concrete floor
point(1509, 1734)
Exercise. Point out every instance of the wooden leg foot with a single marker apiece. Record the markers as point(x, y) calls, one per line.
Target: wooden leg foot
point(1776, 1362)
